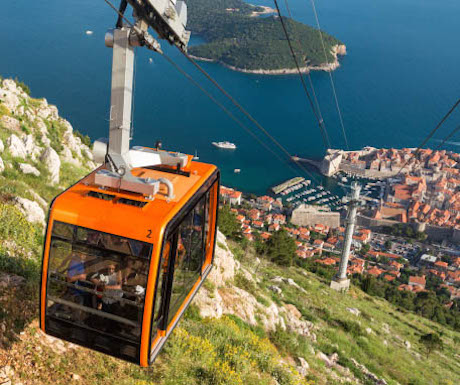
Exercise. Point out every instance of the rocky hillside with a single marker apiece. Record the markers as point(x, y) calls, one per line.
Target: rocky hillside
point(253, 322)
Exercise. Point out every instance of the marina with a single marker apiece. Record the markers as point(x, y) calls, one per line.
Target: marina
point(297, 191)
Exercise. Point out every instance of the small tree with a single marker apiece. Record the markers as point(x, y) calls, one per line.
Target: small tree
point(388, 244)
point(281, 248)
point(228, 223)
point(365, 249)
point(431, 341)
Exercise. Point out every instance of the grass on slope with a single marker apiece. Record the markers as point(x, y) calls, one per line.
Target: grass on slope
point(381, 348)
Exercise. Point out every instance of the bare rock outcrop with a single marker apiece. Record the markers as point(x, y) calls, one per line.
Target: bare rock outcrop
point(2, 146)
point(31, 147)
point(31, 210)
point(10, 123)
point(2, 165)
point(29, 169)
point(225, 265)
point(16, 147)
point(52, 162)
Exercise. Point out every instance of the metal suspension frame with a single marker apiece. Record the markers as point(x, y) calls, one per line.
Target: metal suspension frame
point(115, 152)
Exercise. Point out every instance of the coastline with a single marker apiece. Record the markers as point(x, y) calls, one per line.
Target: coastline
point(336, 51)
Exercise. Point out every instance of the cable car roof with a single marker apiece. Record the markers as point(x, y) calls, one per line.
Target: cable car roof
point(123, 212)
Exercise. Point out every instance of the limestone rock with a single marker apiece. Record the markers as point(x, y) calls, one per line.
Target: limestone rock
point(69, 140)
point(10, 100)
point(10, 123)
point(2, 146)
point(31, 210)
point(407, 344)
point(87, 152)
point(302, 366)
point(368, 374)
point(224, 264)
point(52, 162)
point(39, 199)
point(275, 289)
point(354, 311)
point(295, 323)
point(67, 156)
point(323, 357)
point(76, 377)
point(46, 111)
point(10, 280)
point(28, 169)
point(2, 165)
point(31, 147)
point(368, 330)
point(210, 304)
point(16, 147)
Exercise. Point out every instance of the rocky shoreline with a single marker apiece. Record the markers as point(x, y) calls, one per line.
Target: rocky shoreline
point(336, 51)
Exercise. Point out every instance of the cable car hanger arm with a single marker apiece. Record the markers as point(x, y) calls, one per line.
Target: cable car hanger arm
point(165, 17)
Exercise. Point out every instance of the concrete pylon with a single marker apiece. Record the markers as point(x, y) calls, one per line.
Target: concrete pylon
point(340, 282)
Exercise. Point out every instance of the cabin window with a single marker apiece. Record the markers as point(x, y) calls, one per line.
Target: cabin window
point(188, 259)
point(96, 288)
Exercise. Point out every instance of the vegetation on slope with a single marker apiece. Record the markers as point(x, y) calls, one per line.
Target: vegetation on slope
point(375, 341)
point(236, 39)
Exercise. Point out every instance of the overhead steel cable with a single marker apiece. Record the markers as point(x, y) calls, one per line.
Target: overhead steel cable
point(330, 75)
point(310, 81)
point(234, 101)
point(288, 9)
point(247, 114)
point(425, 141)
point(233, 117)
point(304, 85)
point(452, 133)
point(121, 16)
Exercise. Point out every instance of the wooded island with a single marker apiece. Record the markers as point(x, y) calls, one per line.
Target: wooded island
point(250, 38)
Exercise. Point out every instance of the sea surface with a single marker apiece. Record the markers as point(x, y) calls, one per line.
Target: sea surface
point(400, 76)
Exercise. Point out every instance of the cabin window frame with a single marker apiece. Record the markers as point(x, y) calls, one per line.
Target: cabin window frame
point(171, 234)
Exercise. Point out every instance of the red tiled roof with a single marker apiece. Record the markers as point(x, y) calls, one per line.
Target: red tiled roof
point(417, 280)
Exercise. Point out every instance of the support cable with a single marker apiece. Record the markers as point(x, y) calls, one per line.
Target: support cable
point(224, 92)
point(318, 118)
point(330, 75)
point(247, 114)
point(310, 81)
point(429, 136)
point(452, 133)
point(223, 108)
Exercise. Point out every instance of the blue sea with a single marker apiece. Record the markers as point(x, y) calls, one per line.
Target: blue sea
point(400, 76)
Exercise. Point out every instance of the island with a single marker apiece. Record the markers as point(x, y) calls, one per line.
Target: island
point(249, 38)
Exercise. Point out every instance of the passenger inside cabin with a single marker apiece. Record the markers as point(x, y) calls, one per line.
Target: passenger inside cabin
point(109, 284)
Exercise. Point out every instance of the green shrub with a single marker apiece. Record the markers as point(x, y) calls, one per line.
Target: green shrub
point(26, 238)
point(85, 139)
point(22, 86)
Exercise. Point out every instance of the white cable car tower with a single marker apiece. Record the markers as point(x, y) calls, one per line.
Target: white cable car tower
point(168, 18)
point(340, 282)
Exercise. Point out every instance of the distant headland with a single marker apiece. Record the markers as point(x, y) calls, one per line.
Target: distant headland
point(239, 38)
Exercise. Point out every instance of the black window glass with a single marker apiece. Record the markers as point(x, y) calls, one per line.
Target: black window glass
point(188, 258)
point(97, 282)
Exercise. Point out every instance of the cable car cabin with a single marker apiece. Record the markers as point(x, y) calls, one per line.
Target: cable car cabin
point(120, 269)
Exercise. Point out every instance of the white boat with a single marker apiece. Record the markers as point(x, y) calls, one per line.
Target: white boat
point(196, 157)
point(226, 145)
point(236, 170)
point(89, 32)
point(150, 60)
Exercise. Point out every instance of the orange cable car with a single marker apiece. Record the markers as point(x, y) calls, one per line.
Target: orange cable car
point(119, 269)
point(129, 245)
